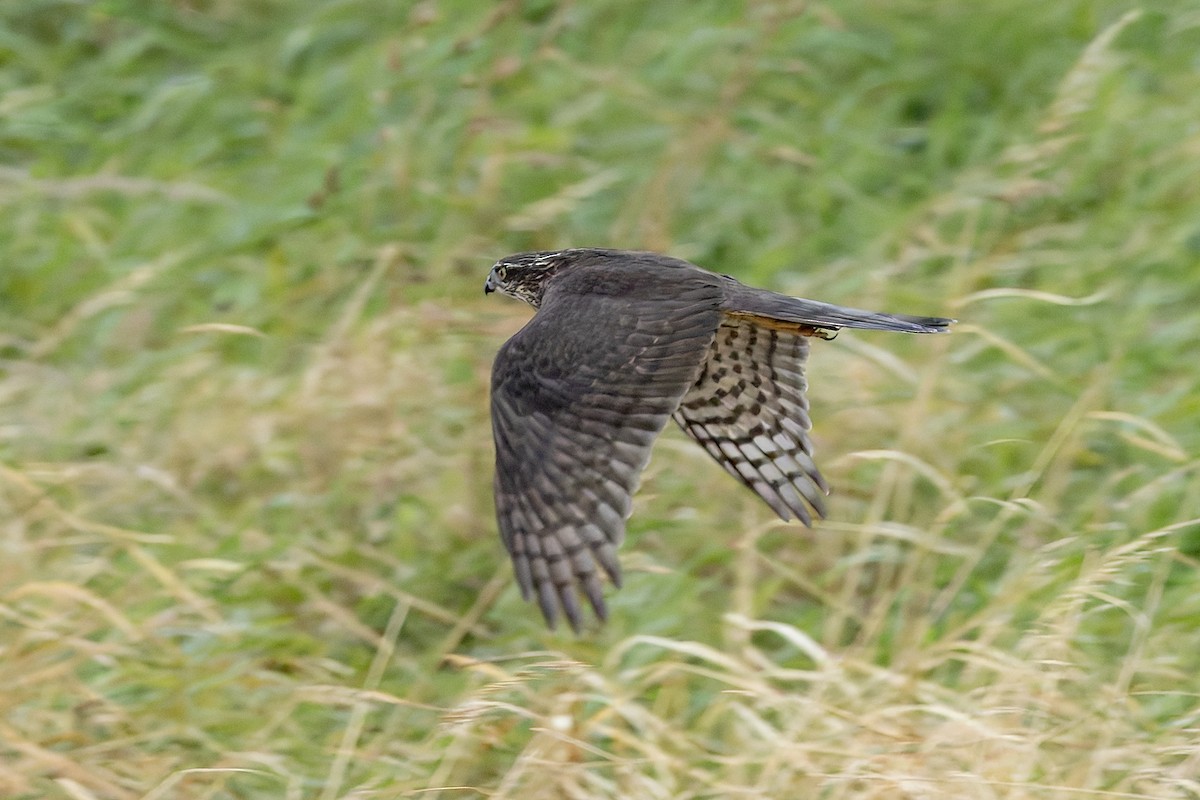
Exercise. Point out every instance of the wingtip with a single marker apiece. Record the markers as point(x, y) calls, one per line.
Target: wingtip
point(595, 595)
point(548, 603)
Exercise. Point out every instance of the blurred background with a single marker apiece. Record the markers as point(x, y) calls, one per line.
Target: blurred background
point(245, 458)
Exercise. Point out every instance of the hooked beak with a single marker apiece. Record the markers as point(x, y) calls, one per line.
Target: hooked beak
point(489, 285)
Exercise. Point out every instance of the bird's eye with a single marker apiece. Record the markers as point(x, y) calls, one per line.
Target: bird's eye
point(501, 274)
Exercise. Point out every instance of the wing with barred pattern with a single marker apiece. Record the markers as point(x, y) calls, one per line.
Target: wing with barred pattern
point(749, 412)
point(578, 397)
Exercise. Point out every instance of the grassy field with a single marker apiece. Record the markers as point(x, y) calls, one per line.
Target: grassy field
point(245, 460)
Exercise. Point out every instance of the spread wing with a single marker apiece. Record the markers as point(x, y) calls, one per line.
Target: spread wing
point(578, 397)
point(749, 411)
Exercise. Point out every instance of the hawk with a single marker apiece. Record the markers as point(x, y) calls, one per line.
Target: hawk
point(621, 341)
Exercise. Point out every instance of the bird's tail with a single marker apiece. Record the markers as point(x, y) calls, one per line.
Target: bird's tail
point(787, 312)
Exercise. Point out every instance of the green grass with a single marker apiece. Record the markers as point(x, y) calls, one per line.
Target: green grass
point(246, 538)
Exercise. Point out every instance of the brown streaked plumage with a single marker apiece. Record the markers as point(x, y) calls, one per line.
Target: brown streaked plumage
point(620, 342)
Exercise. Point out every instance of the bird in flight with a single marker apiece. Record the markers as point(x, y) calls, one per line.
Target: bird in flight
point(621, 341)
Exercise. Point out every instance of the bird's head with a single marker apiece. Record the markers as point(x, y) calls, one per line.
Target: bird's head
point(524, 275)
